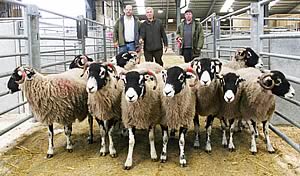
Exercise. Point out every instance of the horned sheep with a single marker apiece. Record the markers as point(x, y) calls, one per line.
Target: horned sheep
point(53, 98)
point(141, 107)
point(178, 106)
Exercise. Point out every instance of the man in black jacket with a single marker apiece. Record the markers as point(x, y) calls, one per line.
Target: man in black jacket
point(152, 33)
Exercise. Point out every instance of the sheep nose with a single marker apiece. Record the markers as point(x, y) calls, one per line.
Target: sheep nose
point(167, 93)
point(130, 97)
point(229, 98)
point(90, 88)
point(205, 82)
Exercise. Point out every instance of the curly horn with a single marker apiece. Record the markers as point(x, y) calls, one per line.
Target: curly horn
point(85, 66)
point(262, 83)
point(191, 70)
point(150, 73)
point(21, 81)
point(112, 67)
point(85, 60)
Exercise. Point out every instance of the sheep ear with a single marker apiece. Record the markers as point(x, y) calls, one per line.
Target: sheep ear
point(241, 79)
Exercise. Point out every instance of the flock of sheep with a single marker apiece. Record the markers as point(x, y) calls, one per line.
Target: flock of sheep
point(143, 95)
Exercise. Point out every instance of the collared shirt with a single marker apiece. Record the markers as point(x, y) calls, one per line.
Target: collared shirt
point(129, 29)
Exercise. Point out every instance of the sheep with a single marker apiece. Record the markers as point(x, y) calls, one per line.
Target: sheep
point(258, 100)
point(208, 95)
point(104, 100)
point(141, 107)
point(231, 86)
point(79, 61)
point(178, 106)
point(244, 57)
point(53, 98)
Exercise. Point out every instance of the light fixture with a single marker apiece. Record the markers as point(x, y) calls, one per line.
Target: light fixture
point(140, 4)
point(160, 11)
point(170, 20)
point(226, 6)
point(185, 5)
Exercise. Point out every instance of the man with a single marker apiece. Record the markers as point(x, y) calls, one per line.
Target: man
point(190, 36)
point(126, 31)
point(152, 33)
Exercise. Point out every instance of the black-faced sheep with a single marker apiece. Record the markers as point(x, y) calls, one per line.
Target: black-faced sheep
point(258, 100)
point(244, 57)
point(104, 100)
point(79, 61)
point(141, 107)
point(53, 98)
point(178, 106)
point(208, 95)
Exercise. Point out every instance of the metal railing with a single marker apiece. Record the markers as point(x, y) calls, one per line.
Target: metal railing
point(222, 41)
point(47, 41)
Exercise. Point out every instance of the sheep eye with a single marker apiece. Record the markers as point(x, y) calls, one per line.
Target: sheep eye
point(181, 78)
point(278, 82)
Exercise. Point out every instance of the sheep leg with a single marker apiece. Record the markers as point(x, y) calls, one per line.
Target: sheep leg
point(197, 132)
point(152, 143)
point(128, 163)
point(68, 133)
point(103, 148)
point(253, 148)
point(255, 128)
point(182, 133)
point(231, 130)
point(163, 156)
point(267, 137)
point(208, 128)
point(112, 150)
point(90, 120)
point(224, 127)
point(50, 141)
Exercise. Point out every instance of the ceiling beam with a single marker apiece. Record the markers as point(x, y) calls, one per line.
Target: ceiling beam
point(212, 5)
point(293, 10)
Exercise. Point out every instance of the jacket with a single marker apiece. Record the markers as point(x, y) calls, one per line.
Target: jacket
point(197, 34)
point(119, 31)
point(153, 34)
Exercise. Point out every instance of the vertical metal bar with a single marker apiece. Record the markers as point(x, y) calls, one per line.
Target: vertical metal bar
point(213, 28)
point(230, 34)
point(104, 42)
point(218, 33)
point(64, 43)
point(257, 26)
point(177, 13)
point(33, 36)
point(81, 33)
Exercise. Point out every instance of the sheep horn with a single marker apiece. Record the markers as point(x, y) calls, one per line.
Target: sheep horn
point(191, 70)
point(21, 81)
point(238, 54)
point(262, 83)
point(112, 67)
point(85, 66)
point(85, 60)
point(150, 73)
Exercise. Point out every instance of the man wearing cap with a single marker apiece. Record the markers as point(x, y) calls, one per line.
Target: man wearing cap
point(190, 36)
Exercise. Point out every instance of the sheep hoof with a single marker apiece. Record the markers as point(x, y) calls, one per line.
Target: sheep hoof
point(163, 160)
point(208, 151)
point(231, 149)
point(127, 167)
point(70, 150)
point(183, 165)
point(154, 159)
point(225, 146)
point(49, 155)
point(102, 153)
point(253, 153)
point(272, 151)
point(113, 155)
